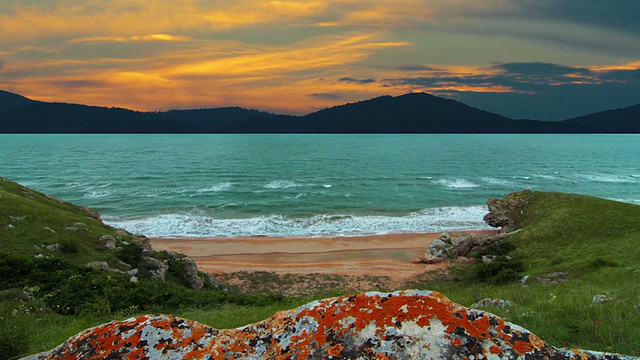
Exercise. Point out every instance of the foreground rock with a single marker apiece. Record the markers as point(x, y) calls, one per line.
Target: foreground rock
point(400, 325)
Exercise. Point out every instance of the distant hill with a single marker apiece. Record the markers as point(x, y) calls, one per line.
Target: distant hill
point(625, 120)
point(10, 101)
point(410, 113)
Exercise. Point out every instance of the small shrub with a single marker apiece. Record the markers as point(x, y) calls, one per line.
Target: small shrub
point(69, 246)
point(602, 262)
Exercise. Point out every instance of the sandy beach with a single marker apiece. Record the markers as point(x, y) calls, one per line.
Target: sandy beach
point(390, 256)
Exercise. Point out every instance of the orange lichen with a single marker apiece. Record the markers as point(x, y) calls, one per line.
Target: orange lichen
point(370, 325)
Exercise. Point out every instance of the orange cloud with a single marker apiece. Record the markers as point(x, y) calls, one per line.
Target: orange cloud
point(123, 39)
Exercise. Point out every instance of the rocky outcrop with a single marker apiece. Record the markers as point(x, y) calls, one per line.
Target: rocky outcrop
point(501, 210)
point(400, 325)
point(189, 271)
point(460, 245)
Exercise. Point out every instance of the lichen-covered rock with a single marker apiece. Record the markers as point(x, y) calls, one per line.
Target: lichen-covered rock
point(400, 325)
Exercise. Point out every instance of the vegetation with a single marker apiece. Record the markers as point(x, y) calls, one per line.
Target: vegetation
point(579, 246)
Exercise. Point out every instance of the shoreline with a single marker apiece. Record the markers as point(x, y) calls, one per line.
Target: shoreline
point(388, 255)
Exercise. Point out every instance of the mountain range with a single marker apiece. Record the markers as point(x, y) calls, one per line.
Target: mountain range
point(409, 113)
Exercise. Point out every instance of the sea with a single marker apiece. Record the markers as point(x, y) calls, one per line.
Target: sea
point(313, 185)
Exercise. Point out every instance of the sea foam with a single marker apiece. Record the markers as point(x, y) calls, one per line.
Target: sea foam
point(459, 184)
point(189, 225)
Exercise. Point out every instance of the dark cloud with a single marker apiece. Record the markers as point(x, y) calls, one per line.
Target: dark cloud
point(540, 68)
point(327, 96)
point(357, 81)
point(621, 15)
point(538, 90)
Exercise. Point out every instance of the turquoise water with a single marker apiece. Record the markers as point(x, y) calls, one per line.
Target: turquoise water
point(312, 185)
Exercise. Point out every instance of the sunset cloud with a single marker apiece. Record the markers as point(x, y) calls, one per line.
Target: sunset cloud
point(295, 56)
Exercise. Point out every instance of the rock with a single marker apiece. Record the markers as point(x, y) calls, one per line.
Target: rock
point(53, 247)
point(553, 278)
point(489, 302)
point(462, 244)
point(143, 242)
point(109, 242)
point(400, 325)
point(133, 279)
point(46, 228)
point(9, 227)
point(103, 266)
point(80, 225)
point(488, 260)
point(160, 270)
point(190, 272)
point(71, 228)
point(132, 272)
point(92, 213)
point(100, 265)
point(599, 299)
point(17, 218)
point(524, 280)
point(38, 256)
point(447, 247)
point(500, 210)
point(213, 282)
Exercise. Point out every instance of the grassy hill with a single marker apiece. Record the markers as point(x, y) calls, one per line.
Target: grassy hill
point(572, 247)
point(48, 292)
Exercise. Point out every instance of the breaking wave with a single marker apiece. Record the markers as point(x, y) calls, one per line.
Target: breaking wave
point(189, 225)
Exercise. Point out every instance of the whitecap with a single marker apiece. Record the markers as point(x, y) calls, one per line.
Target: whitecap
point(282, 184)
point(607, 178)
point(496, 181)
point(459, 184)
point(327, 186)
point(216, 188)
point(97, 194)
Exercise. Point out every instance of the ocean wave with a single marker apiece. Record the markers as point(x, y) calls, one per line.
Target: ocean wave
point(97, 194)
point(496, 181)
point(216, 188)
point(606, 178)
point(282, 184)
point(459, 184)
point(189, 225)
point(629, 201)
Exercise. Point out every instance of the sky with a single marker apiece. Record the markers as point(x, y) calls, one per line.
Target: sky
point(535, 59)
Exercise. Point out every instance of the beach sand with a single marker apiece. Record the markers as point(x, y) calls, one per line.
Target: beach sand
point(387, 259)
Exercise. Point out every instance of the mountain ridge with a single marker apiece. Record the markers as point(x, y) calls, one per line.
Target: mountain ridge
point(408, 113)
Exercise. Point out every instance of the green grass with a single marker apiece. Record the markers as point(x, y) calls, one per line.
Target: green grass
point(596, 241)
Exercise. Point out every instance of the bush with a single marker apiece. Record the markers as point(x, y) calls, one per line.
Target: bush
point(69, 246)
